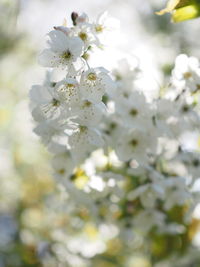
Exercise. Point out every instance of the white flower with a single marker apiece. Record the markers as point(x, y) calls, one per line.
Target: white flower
point(176, 192)
point(125, 74)
point(83, 141)
point(83, 31)
point(165, 111)
point(133, 144)
point(185, 66)
point(104, 26)
point(63, 165)
point(172, 118)
point(134, 111)
point(111, 129)
point(63, 51)
point(94, 83)
point(47, 103)
point(188, 117)
point(191, 161)
point(187, 72)
point(146, 219)
point(87, 113)
point(47, 131)
point(68, 90)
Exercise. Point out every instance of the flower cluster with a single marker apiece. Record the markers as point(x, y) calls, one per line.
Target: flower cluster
point(69, 110)
point(120, 155)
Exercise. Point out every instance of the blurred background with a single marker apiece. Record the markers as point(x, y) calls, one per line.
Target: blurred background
point(31, 206)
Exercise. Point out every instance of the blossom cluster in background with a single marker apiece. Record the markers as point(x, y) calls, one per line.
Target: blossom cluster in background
point(127, 163)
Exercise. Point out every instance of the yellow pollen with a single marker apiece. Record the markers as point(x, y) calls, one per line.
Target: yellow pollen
point(85, 56)
point(87, 104)
point(82, 128)
point(187, 75)
point(83, 36)
point(99, 28)
point(70, 85)
point(92, 76)
point(67, 55)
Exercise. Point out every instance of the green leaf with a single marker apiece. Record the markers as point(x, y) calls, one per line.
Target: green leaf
point(186, 13)
point(182, 9)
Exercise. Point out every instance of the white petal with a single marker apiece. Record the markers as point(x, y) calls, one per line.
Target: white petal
point(88, 114)
point(95, 137)
point(92, 93)
point(39, 94)
point(69, 91)
point(76, 46)
point(59, 42)
point(48, 59)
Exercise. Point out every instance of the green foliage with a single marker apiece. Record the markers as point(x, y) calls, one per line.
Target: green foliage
point(182, 10)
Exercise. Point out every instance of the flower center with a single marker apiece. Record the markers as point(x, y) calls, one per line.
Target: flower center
point(70, 85)
point(187, 75)
point(196, 162)
point(61, 171)
point(53, 84)
point(83, 36)
point(98, 28)
point(134, 142)
point(82, 128)
point(67, 55)
point(133, 112)
point(185, 108)
point(113, 125)
point(87, 104)
point(92, 76)
point(55, 102)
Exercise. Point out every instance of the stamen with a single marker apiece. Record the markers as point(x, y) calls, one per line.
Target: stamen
point(87, 104)
point(67, 55)
point(99, 28)
point(187, 75)
point(83, 36)
point(55, 102)
point(92, 76)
